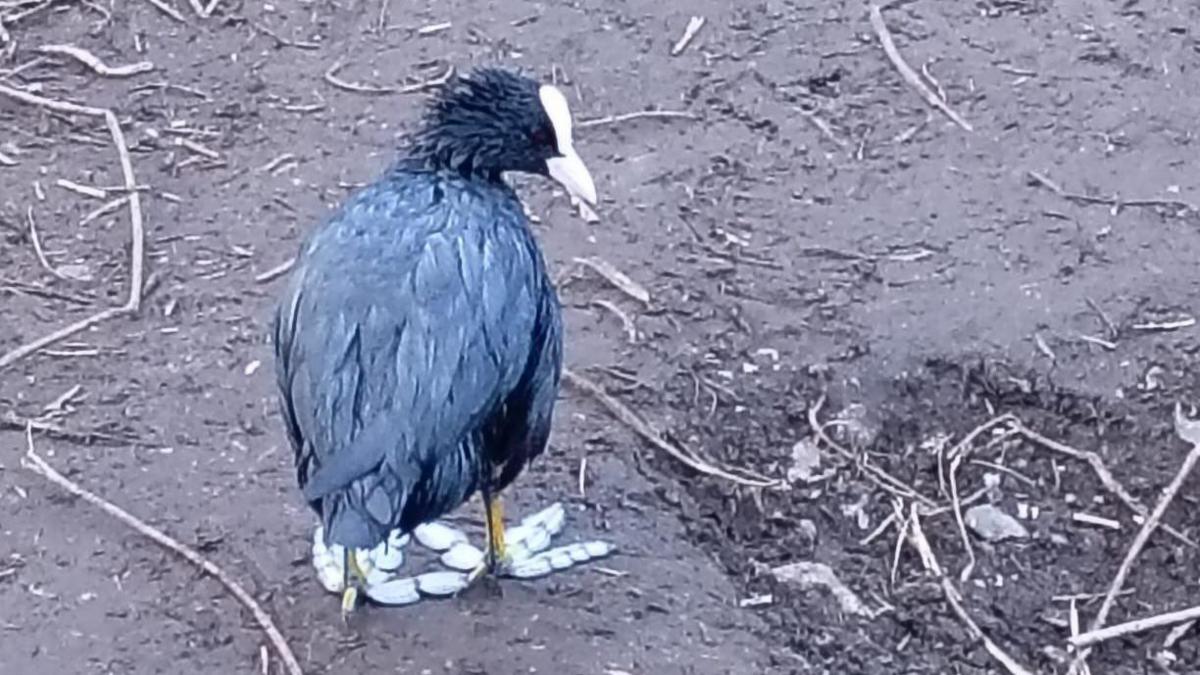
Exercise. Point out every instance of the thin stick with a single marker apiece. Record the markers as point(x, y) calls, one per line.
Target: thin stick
point(1057, 189)
point(930, 561)
point(689, 33)
point(42, 468)
point(640, 114)
point(878, 476)
point(136, 226)
point(170, 11)
point(37, 246)
point(360, 88)
point(617, 278)
point(624, 414)
point(1136, 626)
point(94, 63)
point(910, 76)
point(10, 420)
point(276, 271)
point(626, 322)
point(957, 455)
point(1189, 431)
point(1106, 477)
point(821, 126)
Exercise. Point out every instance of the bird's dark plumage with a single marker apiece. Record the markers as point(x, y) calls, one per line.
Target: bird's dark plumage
point(419, 343)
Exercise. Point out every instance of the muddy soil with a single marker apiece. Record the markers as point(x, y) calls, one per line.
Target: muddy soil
point(810, 231)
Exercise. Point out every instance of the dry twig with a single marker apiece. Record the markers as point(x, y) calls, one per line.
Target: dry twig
point(162, 6)
point(276, 271)
point(910, 76)
point(1136, 626)
point(1116, 202)
point(640, 114)
point(878, 476)
point(689, 33)
point(332, 78)
point(957, 455)
point(1188, 430)
point(42, 468)
point(10, 420)
point(136, 226)
point(94, 63)
point(1106, 477)
point(617, 278)
point(821, 126)
point(626, 322)
point(929, 560)
point(36, 241)
point(630, 418)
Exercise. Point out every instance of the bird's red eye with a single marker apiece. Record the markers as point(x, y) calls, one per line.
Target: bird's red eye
point(543, 136)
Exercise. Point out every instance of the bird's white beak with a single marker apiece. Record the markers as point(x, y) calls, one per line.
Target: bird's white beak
point(573, 175)
point(567, 169)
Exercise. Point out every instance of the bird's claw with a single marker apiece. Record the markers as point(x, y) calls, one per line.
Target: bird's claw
point(527, 555)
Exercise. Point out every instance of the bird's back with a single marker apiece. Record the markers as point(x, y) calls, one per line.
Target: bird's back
point(419, 338)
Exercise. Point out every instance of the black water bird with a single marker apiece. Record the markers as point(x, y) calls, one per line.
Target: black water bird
point(418, 345)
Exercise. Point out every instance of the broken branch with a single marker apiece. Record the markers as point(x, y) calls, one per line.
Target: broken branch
point(39, 466)
point(136, 226)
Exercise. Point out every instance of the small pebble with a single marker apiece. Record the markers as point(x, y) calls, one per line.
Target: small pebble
point(992, 524)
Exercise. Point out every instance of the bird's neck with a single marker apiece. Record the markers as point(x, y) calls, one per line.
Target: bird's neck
point(435, 149)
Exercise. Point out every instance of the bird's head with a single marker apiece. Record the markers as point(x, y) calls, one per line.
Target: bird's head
point(494, 120)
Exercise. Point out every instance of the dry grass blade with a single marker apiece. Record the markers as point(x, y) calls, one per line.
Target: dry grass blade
point(910, 76)
point(42, 468)
point(617, 278)
point(630, 418)
point(136, 226)
point(1189, 431)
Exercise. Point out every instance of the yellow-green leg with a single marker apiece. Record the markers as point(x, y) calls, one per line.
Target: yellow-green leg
point(497, 554)
point(352, 575)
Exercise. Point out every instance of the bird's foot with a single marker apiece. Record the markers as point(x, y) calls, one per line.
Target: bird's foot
point(527, 555)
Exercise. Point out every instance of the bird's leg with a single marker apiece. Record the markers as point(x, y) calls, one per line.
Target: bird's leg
point(496, 559)
point(352, 576)
point(497, 552)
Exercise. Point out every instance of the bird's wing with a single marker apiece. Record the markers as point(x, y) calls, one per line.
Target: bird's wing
point(392, 352)
point(530, 406)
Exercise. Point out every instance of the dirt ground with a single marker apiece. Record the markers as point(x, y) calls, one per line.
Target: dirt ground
point(813, 229)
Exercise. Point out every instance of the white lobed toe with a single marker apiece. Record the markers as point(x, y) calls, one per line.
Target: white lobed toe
point(394, 592)
point(441, 584)
point(462, 557)
point(438, 536)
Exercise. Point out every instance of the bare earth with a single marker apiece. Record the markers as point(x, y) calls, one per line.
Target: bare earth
point(815, 227)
